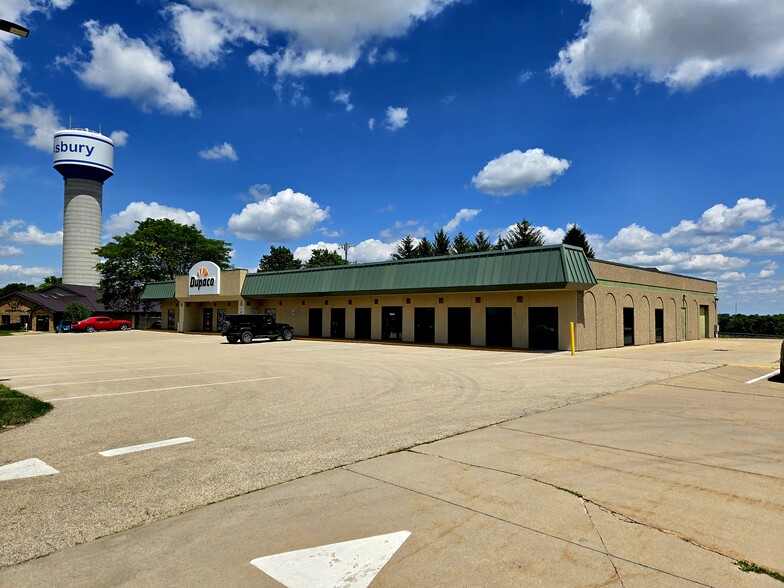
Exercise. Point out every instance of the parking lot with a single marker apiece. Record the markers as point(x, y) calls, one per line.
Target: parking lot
point(216, 421)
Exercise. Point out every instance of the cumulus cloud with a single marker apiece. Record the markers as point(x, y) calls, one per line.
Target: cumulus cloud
point(19, 273)
point(464, 214)
point(119, 138)
point(344, 97)
point(363, 252)
point(223, 151)
point(20, 109)
point(122, 67)
point(318, 38)
point(287, 215)
point(372, 123)
point(18, 231)
point(10, 251)
point(517, 172)
point(677, 43)
point(634, 238)
point(125, 220)
point(552, 236)
point(396, 118)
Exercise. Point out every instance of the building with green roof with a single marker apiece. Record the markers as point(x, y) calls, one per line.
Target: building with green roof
point(519, 298)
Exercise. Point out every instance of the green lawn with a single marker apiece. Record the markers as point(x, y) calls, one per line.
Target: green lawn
point(17, 408)
point(5, 333)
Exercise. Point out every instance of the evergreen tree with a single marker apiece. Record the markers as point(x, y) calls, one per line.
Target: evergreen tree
point(523, 234)
point(279, 259)
point(575, 236)
point(424, 248)
point(405, 249)
point(481, 242)
point(442, 244)
point(325, 258)
point(462, 244)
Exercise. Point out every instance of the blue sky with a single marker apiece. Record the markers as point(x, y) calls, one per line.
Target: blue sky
point(656, 126)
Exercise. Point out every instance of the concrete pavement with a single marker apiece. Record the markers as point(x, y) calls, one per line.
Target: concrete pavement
point(667, 481)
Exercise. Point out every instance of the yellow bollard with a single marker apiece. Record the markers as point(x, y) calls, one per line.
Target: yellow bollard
point(571, 332)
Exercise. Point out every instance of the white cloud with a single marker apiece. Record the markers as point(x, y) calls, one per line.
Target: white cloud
point(389, 56)
point(20, 108)
point(319, 37)
point(261, 61)
point(287, 215)
point(372, 123)
point(396, 118)
point(224, 151)
point(125, 220)
point(732, 277)
point(119, 138)
point(363, 252)
point(674, 42)
point(525, 76)
point(10, 251)
point(18, 273)
point(30, 234)
point(552, 236)
point(123, 67)
point(344, 98)
point(766, 273)
point(517, 172)
point(634, 238)
point(464, 214)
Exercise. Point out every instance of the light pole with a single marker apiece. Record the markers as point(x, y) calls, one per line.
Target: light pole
point(13, 28)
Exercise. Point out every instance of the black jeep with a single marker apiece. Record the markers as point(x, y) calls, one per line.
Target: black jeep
point(247, 327)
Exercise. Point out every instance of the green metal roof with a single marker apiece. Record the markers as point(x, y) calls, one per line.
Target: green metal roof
point(158, 291)
point(556, 266)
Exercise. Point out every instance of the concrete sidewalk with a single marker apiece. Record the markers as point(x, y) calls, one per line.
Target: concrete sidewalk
point(665, 484)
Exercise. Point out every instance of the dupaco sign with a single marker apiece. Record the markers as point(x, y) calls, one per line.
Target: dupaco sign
point(204, 278)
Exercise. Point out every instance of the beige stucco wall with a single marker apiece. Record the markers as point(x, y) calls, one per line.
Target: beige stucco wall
point(190, 309)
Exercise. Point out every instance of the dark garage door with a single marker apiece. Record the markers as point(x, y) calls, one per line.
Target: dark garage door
point(337, 327)
point(459, 326)
point(424, 325)
point(392, 323)
point(498, 325)
point(314, 322)
point(543, 327)
point(362, 323)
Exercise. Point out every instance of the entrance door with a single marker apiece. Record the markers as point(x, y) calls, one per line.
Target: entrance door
point(498, 326)
point(206, 323)
point(658, 318)
point(337, 325)
point(425, 325)
point(42, 322)
point(362, 323)
point(704, 332)
point(392, 323)
point(543, 327)
point(628, 326)
point(459, 326)
point(314, 322)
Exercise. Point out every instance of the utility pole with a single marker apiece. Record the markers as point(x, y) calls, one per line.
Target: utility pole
point(345, 247)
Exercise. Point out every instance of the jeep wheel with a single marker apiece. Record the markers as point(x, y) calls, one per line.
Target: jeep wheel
point(287, 335)
point(232, 339)
point(90, 329)
point(246, 337)
point(123, 327)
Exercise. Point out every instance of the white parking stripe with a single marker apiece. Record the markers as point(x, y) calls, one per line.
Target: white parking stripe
point(765, 377)
point(521, 360)
point(133, 369)
point(118, 379)
point(28, 468)
point(144, 446)
point(164, 389)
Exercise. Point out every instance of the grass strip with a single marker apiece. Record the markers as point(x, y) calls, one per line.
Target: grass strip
point(747, 566)
point(17, 408)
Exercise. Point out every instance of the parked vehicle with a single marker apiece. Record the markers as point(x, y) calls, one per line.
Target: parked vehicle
point(247, 327)
point(101, 323)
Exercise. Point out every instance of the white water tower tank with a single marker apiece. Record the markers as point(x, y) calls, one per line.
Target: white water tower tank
point(86, 160)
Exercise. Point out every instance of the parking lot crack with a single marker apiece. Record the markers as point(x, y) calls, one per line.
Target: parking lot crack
point(604, 545)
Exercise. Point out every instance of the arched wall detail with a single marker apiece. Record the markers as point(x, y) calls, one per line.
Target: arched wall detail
point(671, 318)
point(590, 331)
point(609, 331)
point(645, 322)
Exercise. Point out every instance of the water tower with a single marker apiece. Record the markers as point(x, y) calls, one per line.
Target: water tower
point(86, 160)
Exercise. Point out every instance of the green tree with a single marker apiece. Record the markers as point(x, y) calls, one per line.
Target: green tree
point(325, 258)
point(50, 281)
point(76, 311)
point(16, 287)
point(159, 249)
point(279, 259)
point(442, 244)
point(425, 248)
point(523, 234)
point(462, 244)
point(405, 249)
point(481, 242)
point(576, 236)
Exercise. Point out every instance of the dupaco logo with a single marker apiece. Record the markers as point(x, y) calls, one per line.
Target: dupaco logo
point(204, 278)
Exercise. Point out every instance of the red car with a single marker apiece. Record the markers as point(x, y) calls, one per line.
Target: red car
point(101, 323)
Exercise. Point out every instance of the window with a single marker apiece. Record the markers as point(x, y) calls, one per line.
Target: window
point(6, 320)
